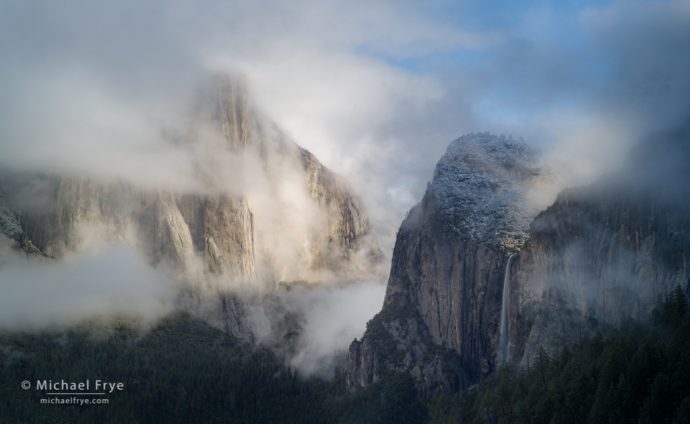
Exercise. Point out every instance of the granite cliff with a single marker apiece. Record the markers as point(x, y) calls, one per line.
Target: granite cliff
point(440, 318)
point(250, 179)
point(480, 277)
point(599, 256)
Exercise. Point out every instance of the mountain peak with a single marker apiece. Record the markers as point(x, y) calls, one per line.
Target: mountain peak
point(224, 100)
point(479, 188)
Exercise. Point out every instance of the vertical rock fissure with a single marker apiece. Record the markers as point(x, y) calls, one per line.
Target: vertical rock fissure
point(503, 353)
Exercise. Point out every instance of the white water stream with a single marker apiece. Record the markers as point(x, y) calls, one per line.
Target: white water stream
point(503, 353)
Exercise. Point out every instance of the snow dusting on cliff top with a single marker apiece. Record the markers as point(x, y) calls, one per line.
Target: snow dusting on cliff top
point(479, 188)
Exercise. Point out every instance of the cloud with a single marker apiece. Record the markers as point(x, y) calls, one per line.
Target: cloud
point(85, 94)
point(584, 83)
point(645, 43)
point(104, 284)
point(376, 90)
point(331, 317)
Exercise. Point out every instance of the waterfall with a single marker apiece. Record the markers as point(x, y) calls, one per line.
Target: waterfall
point(503, 353)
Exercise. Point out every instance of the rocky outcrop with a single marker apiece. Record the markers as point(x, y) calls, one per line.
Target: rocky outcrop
point(59, 215)
point(346, 219)
point(12, 229)
point(440, 319)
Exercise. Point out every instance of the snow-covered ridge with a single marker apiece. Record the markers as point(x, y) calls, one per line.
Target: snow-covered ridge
point(479, 188)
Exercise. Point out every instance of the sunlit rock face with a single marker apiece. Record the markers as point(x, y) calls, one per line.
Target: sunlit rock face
point(440, 319)
point(262, 209)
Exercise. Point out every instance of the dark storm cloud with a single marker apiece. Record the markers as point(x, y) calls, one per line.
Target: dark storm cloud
point(647, 44)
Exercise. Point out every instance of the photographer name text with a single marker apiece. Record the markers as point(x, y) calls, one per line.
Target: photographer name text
point(79, 386)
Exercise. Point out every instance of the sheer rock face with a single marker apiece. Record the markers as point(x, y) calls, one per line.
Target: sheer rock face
point(12, 228)
point(605, 254)
point(346, 219)
point(233, 113)
point(441, 312)
point(215, 231)
point(346, 226)
point(54, 212)
point(204, 235)
point(600, 255)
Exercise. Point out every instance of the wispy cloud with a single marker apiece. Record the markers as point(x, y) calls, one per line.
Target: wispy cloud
point(102, 284)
